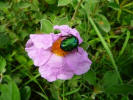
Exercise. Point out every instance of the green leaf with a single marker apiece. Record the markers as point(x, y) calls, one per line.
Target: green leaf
point(114, 6)
point(131, 23)
point(4, 5)
point(120, 89)
point(110, 78)
point(3, 28)
point(51, 1)
point(124, 98)
point(74, 3)
point(58, 83)
point(21, 59)
point(63, 2)
point(73, 83)
point(23, 5)
point(54, 92)
point(14, 38)
point(90, 6)
point(9, 91)
point(46, 26)
point(42, 95)
point(102, 22)
point(25, 93)
point(71, 92)
point(23, 34)
point(35, 5)
point(61, 21)
point(4, 40)
point(90, 77)
point(2, 64)
point(77, 96)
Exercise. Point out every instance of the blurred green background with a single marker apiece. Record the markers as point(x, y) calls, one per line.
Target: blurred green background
point(106, 27)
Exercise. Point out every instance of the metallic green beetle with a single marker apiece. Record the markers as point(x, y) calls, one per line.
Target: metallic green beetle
point(69, 43)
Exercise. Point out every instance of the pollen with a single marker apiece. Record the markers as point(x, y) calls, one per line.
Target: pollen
point(56, 48)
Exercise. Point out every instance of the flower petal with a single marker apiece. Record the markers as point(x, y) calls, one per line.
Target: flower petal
point(42, 40)
point(65, 73)
point(66, 30)
point(78, 61)
point(76, 33)
point(55, 36)
point(50, 70)
point(48, 73)
point(39, 56)
point(63, 28)
point(55, 69)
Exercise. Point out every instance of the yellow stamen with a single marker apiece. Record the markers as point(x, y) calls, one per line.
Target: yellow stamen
point(56, 48)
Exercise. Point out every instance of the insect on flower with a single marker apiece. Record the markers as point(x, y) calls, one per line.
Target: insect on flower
point(58, 56)
point(69, 43)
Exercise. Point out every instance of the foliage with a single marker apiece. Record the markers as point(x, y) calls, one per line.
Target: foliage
point(112, 19)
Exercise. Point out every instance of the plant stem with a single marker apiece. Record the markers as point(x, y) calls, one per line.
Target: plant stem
point(125, 43)
point(106, 48)
point(117, 1)
point(76, 10)
point(63, 91)
point(128, 5)
point(123, 3)
point(0, 77)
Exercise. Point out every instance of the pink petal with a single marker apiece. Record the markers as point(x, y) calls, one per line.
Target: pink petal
point(66, 30)
point(65, 72)
point(50, 70)
point(55, 69)
point(78, 61)
point(76, 33)
point(42, 40)
point(48, 73)
point(63, 28)
point(39, 56)
point(55, 36)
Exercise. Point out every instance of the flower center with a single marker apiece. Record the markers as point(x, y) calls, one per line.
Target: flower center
point(56, 48)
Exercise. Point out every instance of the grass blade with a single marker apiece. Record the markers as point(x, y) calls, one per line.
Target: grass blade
point(106, 47)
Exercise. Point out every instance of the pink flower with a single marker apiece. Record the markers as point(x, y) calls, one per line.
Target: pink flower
point(53, 62)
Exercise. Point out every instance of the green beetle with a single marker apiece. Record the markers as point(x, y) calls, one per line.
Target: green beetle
point(69, 43)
